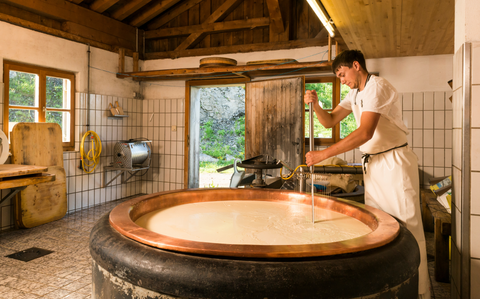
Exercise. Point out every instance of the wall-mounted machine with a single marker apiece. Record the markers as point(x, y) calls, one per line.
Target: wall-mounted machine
point(129, 156)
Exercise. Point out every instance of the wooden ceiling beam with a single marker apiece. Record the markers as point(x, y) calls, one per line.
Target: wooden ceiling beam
point(208, 28)
point(238, 49)
point(218, 15)
point(275, 16)
point(67, 11)
point(76, 1)
point(243, 69)
point(57, 32)
point(172, 14)
point(151, 12)
point(102, 5)
point(129, 8)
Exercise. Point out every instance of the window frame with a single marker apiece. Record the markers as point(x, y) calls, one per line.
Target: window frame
point(42, 73)
point(335, 101)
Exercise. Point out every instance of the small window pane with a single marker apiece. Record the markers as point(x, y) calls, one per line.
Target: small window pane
point(58, 93)
point(23, 89)
point(344, 89)
point(324, 92)
point(63, 119)
point(348, 124)
point(318, 130)
point(16, 116)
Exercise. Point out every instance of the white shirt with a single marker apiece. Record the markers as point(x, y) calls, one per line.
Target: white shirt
point(381, 97)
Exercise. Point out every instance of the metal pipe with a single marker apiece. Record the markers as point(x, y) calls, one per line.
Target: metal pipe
point(312, 138)
point(88, 88)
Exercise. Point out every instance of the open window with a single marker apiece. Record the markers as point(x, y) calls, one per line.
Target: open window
point(330, 92)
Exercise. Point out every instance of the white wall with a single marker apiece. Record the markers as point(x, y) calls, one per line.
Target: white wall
point(415, 74)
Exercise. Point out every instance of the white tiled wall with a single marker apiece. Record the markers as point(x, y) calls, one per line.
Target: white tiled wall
point(428, 116)
point(164, 124)
point(475, 173)
point(458, 157)
point(85, 190)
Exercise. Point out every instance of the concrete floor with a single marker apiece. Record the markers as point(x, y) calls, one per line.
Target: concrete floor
point(66, 273)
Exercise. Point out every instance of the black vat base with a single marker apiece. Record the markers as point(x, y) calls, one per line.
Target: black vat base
point(123, 268)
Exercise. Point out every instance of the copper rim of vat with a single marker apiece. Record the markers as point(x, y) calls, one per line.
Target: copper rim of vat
point(384, 227)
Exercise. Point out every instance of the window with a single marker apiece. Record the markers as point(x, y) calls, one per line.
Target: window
point(36, 94)
point(330, 93)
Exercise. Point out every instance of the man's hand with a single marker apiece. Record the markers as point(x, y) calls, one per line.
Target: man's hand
point(314, 157)
point(311, 97)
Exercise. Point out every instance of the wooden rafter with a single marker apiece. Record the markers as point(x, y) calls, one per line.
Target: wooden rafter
point(102, 5)
point(76, 1)
point(151, 12)
point(275, 16)
point(208, 28)
point(172, 14)
point(224, 10)
point(129, 8)
point(59, 33)
point(67, 11)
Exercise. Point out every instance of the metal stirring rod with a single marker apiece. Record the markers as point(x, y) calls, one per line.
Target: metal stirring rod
point(312, 138)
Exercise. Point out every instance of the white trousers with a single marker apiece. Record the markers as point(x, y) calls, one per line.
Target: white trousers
point(392, 185)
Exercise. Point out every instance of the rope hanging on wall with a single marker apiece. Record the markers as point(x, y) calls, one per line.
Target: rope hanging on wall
point(93, 154)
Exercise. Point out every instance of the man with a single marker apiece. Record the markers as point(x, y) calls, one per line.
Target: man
point(390, 166)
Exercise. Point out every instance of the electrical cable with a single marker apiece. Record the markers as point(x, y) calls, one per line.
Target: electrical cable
point(291, 175)
point(93, 154)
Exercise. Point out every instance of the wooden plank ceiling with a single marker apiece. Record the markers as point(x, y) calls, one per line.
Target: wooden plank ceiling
point(395, 28)
point(173, 28)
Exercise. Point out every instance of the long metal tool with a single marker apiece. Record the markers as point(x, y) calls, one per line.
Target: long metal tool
point(311, 139)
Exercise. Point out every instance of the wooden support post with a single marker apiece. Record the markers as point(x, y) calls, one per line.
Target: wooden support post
point(121, 60)
point(337, 49)
point(135, 61)
point(329, 48)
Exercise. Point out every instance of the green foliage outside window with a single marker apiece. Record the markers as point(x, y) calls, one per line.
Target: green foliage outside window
point(22, 93)
point(325, 95)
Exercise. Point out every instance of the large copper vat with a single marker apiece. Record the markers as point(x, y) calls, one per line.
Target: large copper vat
point(380, 264)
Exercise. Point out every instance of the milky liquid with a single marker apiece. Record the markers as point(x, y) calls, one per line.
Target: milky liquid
point(252, 222)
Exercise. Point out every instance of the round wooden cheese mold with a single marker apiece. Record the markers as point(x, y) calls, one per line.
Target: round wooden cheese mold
point(217, 62)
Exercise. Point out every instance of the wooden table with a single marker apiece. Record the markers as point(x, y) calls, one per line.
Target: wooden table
point(18, 177)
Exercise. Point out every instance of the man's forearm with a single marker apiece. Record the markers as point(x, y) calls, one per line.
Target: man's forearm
point(323, 117)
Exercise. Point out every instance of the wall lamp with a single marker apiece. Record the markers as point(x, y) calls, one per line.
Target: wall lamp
point(322, 15)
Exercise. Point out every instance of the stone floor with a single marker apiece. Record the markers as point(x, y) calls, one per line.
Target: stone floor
point(66, 273)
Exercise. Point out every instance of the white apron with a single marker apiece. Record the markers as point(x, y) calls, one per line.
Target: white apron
point(392, 185)
point(391, 178)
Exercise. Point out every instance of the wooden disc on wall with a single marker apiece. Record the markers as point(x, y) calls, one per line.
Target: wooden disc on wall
point(217, 62)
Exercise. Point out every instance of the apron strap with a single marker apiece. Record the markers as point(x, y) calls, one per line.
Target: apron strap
point(366, 156)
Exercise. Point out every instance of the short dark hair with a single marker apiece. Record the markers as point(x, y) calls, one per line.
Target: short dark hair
point(346, 58)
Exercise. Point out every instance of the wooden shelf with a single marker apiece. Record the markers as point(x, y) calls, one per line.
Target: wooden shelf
point(245, 71)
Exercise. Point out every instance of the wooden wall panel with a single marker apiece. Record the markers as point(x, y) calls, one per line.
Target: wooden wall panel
point(205, 11)
point(216, 39)
point(238, 36)
point(257, 7)
point(302, 20)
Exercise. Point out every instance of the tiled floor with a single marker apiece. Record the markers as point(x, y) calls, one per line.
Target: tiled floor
point(66, 273)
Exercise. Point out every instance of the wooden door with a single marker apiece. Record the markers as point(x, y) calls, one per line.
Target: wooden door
point(274, 120)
